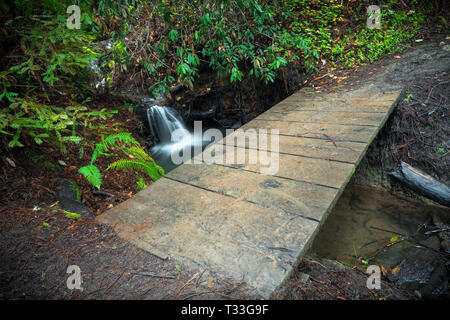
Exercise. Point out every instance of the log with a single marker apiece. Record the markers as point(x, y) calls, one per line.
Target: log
point(423, 183)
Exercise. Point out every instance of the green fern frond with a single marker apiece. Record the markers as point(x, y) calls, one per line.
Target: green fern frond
point(138, 152)
point(111, 141)
point(151, 169)
point(92, 174)
point(140, 183)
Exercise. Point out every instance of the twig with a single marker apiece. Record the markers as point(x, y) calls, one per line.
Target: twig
point(103, 193)
point(150, 274)
point(390, 231)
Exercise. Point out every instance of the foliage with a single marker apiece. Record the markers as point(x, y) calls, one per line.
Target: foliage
point(43, 122)
point(68, 214)
point(338, 32)
point(259, 38)
point(49, 62)
point(235, 38)
point(92, 174)
point(130, 154)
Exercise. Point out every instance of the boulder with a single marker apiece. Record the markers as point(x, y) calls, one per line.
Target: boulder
point(422, 270)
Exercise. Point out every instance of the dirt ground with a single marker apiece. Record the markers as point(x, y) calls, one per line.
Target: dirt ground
point(321, 279)
point(37, 244)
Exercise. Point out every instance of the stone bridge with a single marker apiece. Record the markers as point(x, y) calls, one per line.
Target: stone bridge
point(236, 222)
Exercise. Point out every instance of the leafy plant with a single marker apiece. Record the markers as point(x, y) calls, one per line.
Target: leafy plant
point(131, 157)
point(92, 174)
point(46, 123)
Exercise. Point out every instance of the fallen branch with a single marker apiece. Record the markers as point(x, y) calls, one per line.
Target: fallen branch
point(423, 183)
point(103, 193)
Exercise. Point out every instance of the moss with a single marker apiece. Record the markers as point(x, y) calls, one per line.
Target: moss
point(75, 188)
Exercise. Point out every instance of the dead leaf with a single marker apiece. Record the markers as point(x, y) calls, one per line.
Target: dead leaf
point(210, 282)
point(54, 204)
point(11, 163)
point(395, 270)
point(141, 226)
point(384, 270)
point(397, 57)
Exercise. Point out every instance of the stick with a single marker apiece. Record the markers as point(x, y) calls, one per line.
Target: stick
point(153, 275)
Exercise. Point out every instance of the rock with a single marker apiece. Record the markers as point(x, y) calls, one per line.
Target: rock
point(236, 125)
point(66, 191)
point(445, 246)
point(76, 207)
point(432, 242)
point(226, 123)
point(443, 235)
point(303, 277)
point(68, 200)
point(422, 270)
point(247, 118)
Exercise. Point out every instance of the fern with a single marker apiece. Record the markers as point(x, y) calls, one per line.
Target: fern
point(139, 160)
point(92, 174)
point(140, 183)
point(111, 141)
point(150, 168)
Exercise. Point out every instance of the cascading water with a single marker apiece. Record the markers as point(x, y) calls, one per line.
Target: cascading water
point(163, 121)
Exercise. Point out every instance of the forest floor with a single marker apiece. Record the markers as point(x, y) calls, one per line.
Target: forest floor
point(38, 242)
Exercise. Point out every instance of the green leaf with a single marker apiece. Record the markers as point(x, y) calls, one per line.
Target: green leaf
point(73, 215)
point(393, 239)
point(173, 35)
point(92, 174)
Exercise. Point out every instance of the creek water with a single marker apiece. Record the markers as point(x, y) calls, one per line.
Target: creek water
point(352, 229)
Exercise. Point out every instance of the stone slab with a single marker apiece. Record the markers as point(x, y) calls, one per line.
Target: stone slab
point(297, 197)
point(313, 130)
point(207, 230)
point(307, 147)
point(351, 118)
point(316, 171)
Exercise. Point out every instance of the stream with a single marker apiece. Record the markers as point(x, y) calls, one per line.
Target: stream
point(353, 228)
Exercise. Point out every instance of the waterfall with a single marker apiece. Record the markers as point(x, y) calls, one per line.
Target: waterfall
point(162, 122)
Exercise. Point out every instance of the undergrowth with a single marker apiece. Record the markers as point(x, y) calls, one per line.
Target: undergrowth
point(48, 71)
